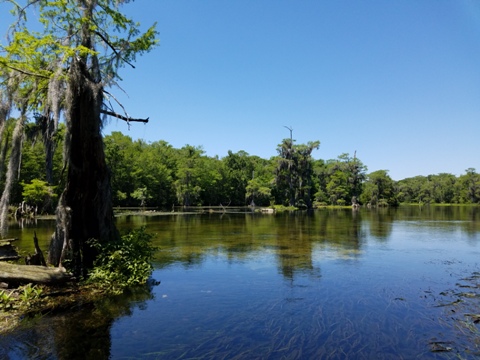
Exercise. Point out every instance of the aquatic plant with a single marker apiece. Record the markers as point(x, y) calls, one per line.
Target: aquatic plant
point(123, 263)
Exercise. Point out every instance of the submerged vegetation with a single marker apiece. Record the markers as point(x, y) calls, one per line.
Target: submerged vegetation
point(462, 312)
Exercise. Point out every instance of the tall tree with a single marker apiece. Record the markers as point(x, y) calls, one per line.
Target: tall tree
point(121, 159)
point(239, 167)
point(285, 175)
point(294, 173)
point(188, 175)
point(305, 172)
point(66, 67)
point(343, 179)
point(469, 186)
point(379, 189)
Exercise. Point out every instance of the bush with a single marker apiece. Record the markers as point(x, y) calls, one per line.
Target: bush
point(123, 263)
point(282, 208)
point(39, 193)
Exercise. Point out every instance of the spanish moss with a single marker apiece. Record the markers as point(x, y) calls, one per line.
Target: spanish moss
point(12, 172)
point(4, 113)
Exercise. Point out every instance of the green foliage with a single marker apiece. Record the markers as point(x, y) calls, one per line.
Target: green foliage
point(258, 191)
point(23, 297)
point(469, 187)
point(39, 193)
point(283, 208)
point(340, 180)
point(294, 175)
point(29, 294)
point(123, 263)
point(379, 190)
point(189, 175)
point(121, 195)
point(37, 55)
point(341, 202)
point(6, 300)
point(141, 195)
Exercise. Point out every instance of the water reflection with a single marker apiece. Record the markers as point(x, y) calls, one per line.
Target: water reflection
point(82, 332)
point(327, 284)
point(380, 222)
point(291, 237)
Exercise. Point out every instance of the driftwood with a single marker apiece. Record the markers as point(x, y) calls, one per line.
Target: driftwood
point(24, 274)
point(15, 274)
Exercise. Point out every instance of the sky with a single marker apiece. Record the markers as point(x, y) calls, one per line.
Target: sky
point(397, 82)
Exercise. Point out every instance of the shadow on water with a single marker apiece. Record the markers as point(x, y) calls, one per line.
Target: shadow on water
point(82, 332)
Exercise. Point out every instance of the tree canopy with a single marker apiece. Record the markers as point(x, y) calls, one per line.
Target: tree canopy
point(59, 64)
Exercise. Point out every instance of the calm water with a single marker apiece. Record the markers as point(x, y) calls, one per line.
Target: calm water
point(332, 284)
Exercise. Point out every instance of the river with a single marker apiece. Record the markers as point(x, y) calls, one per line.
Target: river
point(330, 284)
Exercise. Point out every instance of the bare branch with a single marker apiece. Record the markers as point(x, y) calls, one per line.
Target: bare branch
point(113, 49)
point(118, 102)
point(121, 117)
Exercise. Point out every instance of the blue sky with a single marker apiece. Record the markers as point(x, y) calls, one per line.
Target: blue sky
point(396, 81)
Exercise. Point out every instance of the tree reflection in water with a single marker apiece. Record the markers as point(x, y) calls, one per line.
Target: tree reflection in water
point(82, 332)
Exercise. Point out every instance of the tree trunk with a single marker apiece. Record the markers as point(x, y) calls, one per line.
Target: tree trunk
point(85, 209)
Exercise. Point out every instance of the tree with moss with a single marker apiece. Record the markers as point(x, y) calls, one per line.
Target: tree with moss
point(294, 172)
point(61, 63)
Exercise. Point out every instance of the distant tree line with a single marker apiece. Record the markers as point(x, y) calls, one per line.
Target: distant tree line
point(158, 175)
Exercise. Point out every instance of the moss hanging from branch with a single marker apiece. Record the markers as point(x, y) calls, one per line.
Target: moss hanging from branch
point(5, 105)
point(12, 172)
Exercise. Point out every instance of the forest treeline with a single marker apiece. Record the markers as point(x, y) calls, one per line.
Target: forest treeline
point(158, 175)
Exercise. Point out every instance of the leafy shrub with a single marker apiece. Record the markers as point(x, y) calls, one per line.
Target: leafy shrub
point(341, 202)
point(282, 208)
point(39, 193)
point(123, 263)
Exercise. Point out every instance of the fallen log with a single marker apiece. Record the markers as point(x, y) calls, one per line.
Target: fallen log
point(34, 274)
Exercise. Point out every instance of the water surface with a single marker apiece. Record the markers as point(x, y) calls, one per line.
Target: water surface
point(331, 284)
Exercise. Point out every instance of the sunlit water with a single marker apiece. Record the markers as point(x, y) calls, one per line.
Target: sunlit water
point(331, 284)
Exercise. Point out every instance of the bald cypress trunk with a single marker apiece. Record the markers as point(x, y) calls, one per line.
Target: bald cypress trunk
point(85, 207)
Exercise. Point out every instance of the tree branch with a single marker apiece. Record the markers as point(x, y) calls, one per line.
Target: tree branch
point(113, 49)
point(125, 118)
point(4, 63)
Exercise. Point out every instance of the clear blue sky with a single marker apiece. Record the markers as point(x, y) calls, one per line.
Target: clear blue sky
point(396, 81)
